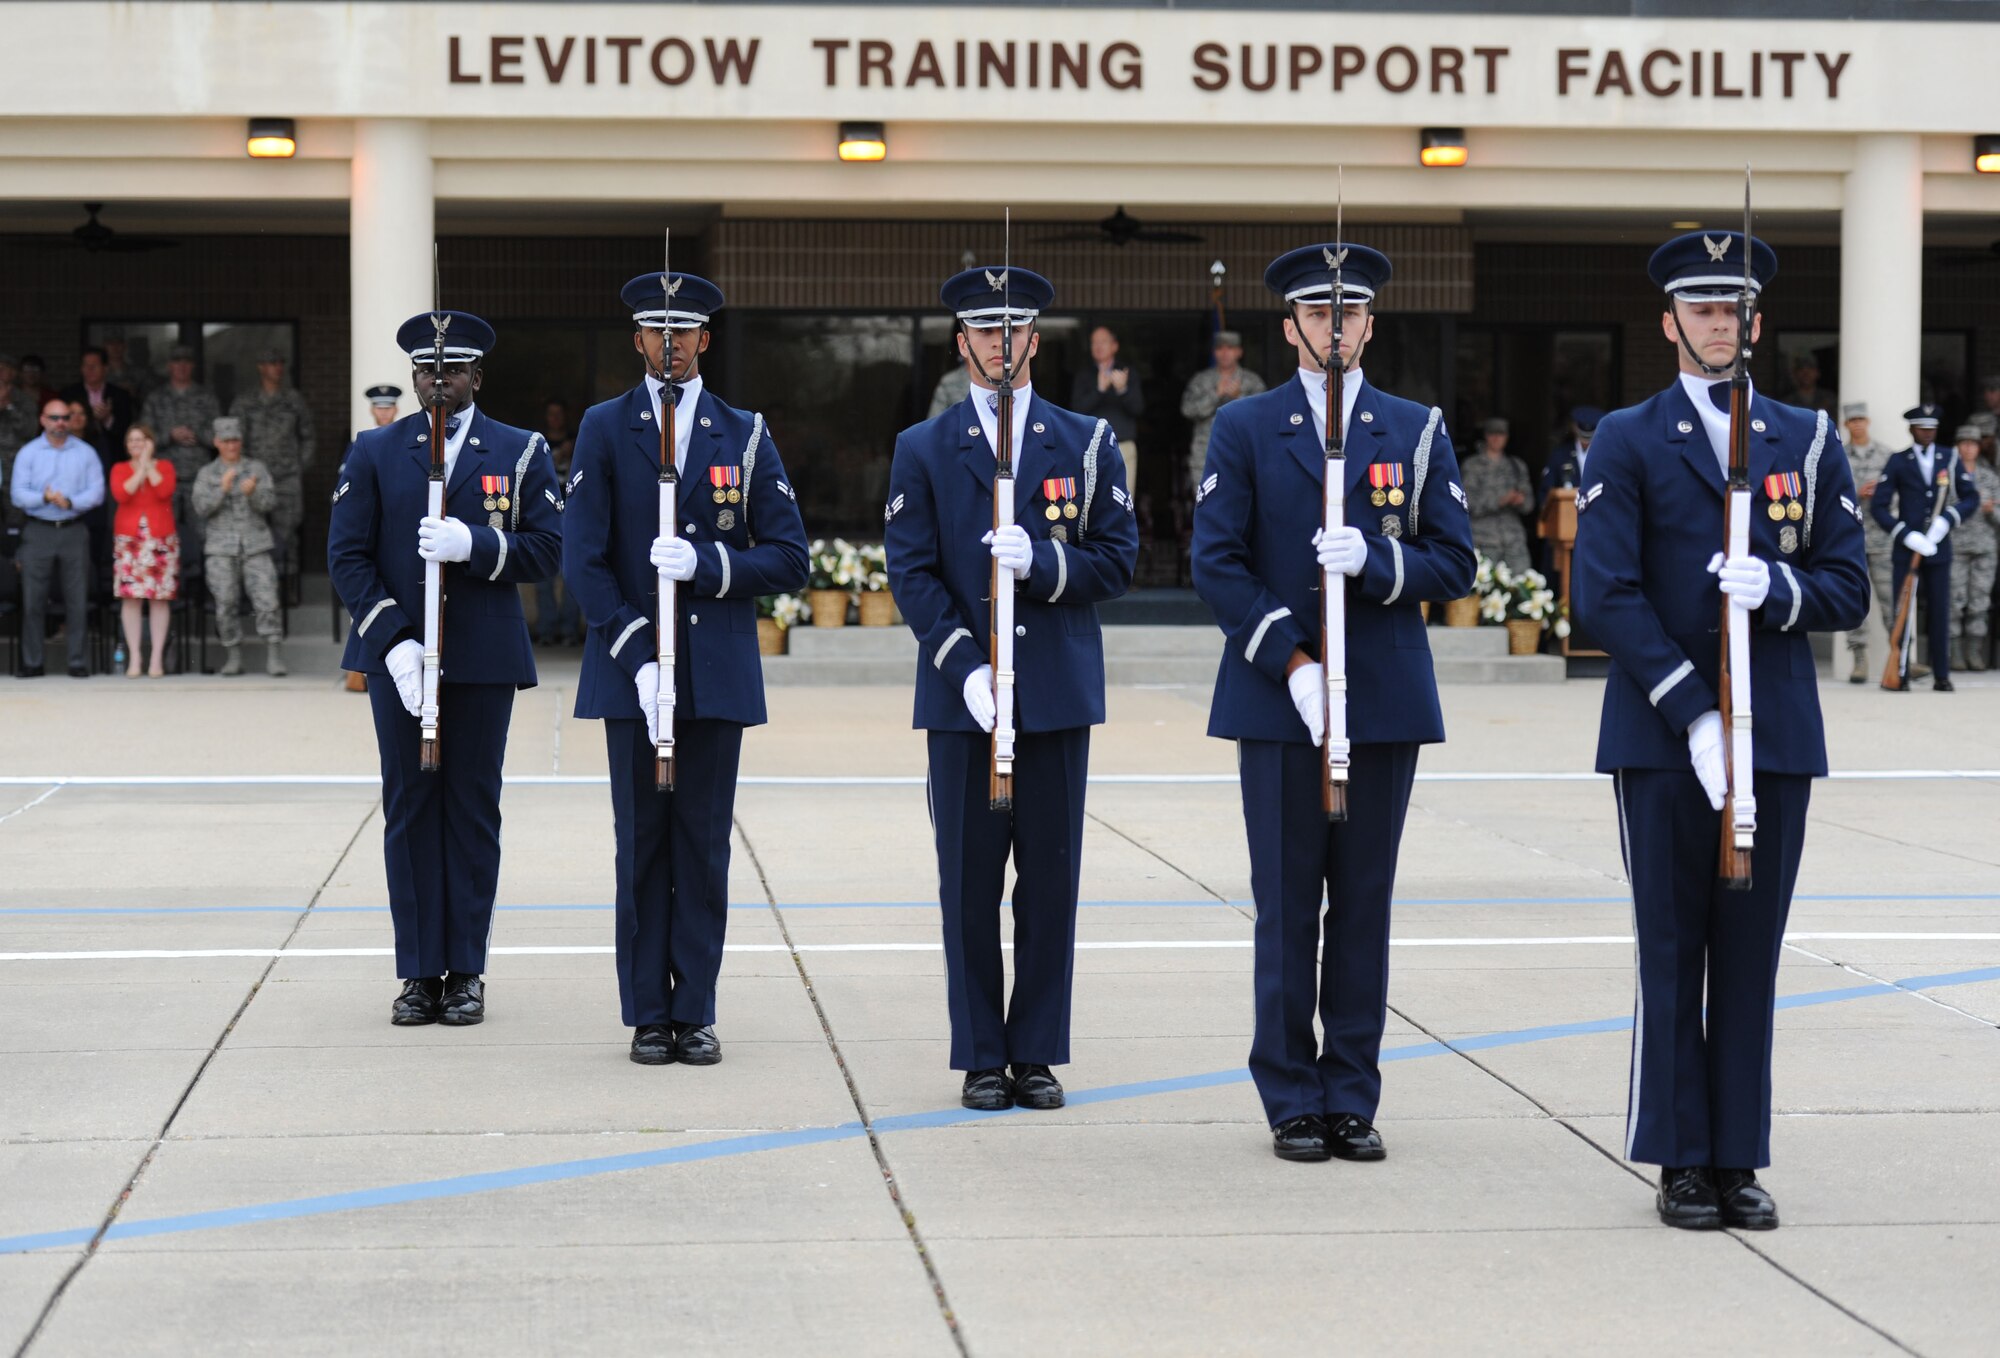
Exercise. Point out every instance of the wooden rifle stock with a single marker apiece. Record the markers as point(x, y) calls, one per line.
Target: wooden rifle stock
point(668, 623)
point(1000, 785)
point(1739, 803)
point(429, 755)
point(1895, 670)
point(1334, 749)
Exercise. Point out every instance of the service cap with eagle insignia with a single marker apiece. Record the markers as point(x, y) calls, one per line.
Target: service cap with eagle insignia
point(988, 296)
point(467, 339)
point(1306, 274)
point(671, 301)
point(1707, 266)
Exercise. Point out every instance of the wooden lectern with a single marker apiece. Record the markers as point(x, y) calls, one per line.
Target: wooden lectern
point(1558, 528)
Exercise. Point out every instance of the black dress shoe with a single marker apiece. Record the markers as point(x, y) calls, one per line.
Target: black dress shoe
point(1301, 1138)
point(83, 672)
point(1353, 1138)
point(464, 999)
point(1687, 1199)
point(696, 1045)
point(653, 1044)
point(28, 672)
point(1942, 685)
point(1037, 1087)
point(418, 1003)
point(989, 1091)
point(1745, 1204)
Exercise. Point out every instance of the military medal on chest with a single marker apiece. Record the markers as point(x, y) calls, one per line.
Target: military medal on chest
point(1783, 490)
point(496, 501)
point(727, 482)
point(1387, 480)
point(1060, 492)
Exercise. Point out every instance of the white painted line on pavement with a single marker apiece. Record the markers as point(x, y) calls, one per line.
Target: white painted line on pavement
point(30, 806)
point(1084, 945)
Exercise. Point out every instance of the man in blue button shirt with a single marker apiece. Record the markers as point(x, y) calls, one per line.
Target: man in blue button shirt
point(57, 481)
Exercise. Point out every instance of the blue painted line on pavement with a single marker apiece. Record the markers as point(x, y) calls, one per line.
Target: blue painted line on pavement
point(468, 1184)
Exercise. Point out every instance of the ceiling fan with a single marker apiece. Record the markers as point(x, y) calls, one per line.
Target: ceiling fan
point(97, 238)
point(1121, 228)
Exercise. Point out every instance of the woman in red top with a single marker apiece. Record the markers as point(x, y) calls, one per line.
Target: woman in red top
point(146, 551)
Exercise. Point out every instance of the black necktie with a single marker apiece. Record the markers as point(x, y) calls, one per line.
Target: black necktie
point(451, 429)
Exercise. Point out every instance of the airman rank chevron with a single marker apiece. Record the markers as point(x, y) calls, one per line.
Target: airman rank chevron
point(575, 481)
point(1851, 508)
point(1118, 494)
point(345, 486)
point(790, 494)
point(1207, 487)
point(1458, 494)
point(1583, 500)
point(894, 507)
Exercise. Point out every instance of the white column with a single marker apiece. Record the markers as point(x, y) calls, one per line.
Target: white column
point(1882, 281)
point(390, 222)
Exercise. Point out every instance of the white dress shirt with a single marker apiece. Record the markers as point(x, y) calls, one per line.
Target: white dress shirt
point(455, 440)
point(1716, 422)
point(986, 400)
point(683, 413)
point(1315, 385)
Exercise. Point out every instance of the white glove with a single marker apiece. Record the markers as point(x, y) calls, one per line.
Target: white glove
point(647, 682)
point(979, 696)
point(1745, 579)
point(1344, 551)
point(1940, 526)
point(443, 540)
point(1012, 549)
point(1919, 543)
point(673, 557)
point(406, 666)
point(1705, 750)
point(1308, 686)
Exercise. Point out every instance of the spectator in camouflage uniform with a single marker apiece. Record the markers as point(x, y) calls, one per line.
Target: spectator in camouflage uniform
point(1867, 457)
point(278, 431)
point(183, 411)
point(1973, 557)
point(1497, 490)
point(19, 422)
point(952, 388)
point(1210, 390)
point(234, 496)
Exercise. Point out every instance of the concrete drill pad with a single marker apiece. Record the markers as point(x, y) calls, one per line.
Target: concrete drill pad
point(865, 1298)
point(1915, 1282)
point(26, 1283)
point(84, 1095)
point(1417, 1293)
point(63, 1185)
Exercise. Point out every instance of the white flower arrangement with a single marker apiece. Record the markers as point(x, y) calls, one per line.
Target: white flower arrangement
point(874, 567)
point(787, 610)
point(835, 565)
point(1503, 596)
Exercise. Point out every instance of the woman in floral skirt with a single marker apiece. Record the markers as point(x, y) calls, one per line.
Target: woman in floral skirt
point(146, 549)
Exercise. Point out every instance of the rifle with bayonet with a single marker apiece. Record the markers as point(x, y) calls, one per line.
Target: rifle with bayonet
point(1000, 784)
point(1739, 802)
point(670, 487)
point(1334, 749)
point(428, 754)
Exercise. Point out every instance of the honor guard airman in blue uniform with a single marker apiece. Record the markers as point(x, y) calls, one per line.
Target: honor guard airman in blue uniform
point(739, 537)
point(502, 529)
point(1924, 493)
point(1073, 545)
point(1260, 556)
point(1650, 585)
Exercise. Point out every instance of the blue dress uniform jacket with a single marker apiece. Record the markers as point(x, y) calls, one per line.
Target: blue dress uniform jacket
point(1323, 890)
point(613, 515)
point(1915, 500)
point(940, 506)
point(441, 830)
point(371, 547)
point(1649, 521)
point(1651, 518)
point(1260, 502)
point(672, 849)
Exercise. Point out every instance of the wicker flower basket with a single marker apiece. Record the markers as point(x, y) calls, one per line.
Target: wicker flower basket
point(1462, 612)
point(1524, 636)
point(878, 608)
point(770, 637)
point(829, 607)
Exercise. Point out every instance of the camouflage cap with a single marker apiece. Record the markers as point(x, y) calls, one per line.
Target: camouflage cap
point(1967, 433)
point(181, 353)
point(227, 427)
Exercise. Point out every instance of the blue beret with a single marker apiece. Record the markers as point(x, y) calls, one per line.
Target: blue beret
point(1306, 274)
point(982, 297)
point(1925, 416)
point(681, 302)
point(466, 337)
point(1707, 266)
point(1586, 418)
